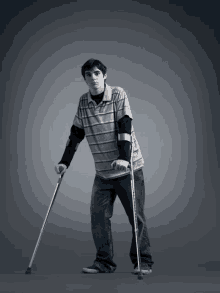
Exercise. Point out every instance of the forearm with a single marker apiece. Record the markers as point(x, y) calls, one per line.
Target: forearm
point(124, 138)
point(69, 152)
point(76, 136)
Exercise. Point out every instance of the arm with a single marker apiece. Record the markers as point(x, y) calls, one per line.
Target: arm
point(76, 136)
point(124, 117)
point(124, 138)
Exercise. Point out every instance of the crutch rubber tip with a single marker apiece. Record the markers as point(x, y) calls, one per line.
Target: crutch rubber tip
point(140, 277)
point(28, 271)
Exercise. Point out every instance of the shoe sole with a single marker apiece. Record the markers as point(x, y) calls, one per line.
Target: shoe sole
point(90, 271)
point(94, 271)
point(144, 272)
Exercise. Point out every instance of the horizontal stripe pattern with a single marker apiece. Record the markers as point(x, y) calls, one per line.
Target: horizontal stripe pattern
point(98, 122)
point(99, 128)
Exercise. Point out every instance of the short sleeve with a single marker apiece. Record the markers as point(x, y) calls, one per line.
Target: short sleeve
point(77, 121)
point(122, 105)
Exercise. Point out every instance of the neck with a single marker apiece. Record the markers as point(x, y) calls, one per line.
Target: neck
point(97, 91)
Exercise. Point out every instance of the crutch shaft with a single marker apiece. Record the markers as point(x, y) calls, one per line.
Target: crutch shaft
point(134, 207)
point(45, 220)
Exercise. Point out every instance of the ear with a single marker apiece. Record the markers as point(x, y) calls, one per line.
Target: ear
point(105, 76)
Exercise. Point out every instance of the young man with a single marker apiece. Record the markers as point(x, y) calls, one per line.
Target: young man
point(104, 117)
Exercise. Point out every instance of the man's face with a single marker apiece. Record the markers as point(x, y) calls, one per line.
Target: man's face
point(94, 78)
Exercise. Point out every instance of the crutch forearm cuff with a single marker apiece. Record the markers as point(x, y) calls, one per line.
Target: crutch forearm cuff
point(124, 137)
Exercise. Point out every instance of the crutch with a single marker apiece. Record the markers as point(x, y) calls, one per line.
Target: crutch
point(28, 271)
point(140, 275)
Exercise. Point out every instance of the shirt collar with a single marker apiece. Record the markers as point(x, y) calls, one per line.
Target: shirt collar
point(107, 94)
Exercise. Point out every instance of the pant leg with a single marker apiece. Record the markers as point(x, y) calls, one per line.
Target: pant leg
point(123, 189)
point(101, 209)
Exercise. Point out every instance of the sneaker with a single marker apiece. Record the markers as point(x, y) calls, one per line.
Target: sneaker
point(144, 269)
point(91, 270)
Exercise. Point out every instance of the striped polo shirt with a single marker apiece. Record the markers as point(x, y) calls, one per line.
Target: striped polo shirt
point(99, 124)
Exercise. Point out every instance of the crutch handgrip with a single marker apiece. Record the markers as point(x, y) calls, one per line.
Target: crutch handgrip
point(61, 177)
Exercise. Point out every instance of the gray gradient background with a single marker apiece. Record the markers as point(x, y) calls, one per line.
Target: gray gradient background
point(164, 65)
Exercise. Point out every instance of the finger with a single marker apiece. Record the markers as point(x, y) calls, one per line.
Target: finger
point(121, 167)
point(113, 165)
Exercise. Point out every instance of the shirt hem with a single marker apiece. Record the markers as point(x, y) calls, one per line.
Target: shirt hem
point(118, 175)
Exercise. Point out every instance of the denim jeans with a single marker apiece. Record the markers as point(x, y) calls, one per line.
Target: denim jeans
point(104, 193)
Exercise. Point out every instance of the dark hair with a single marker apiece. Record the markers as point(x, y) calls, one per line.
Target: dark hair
point(93, 63)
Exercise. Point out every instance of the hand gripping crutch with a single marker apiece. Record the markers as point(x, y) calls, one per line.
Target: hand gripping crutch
point(28, 271)
point(140, 275)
